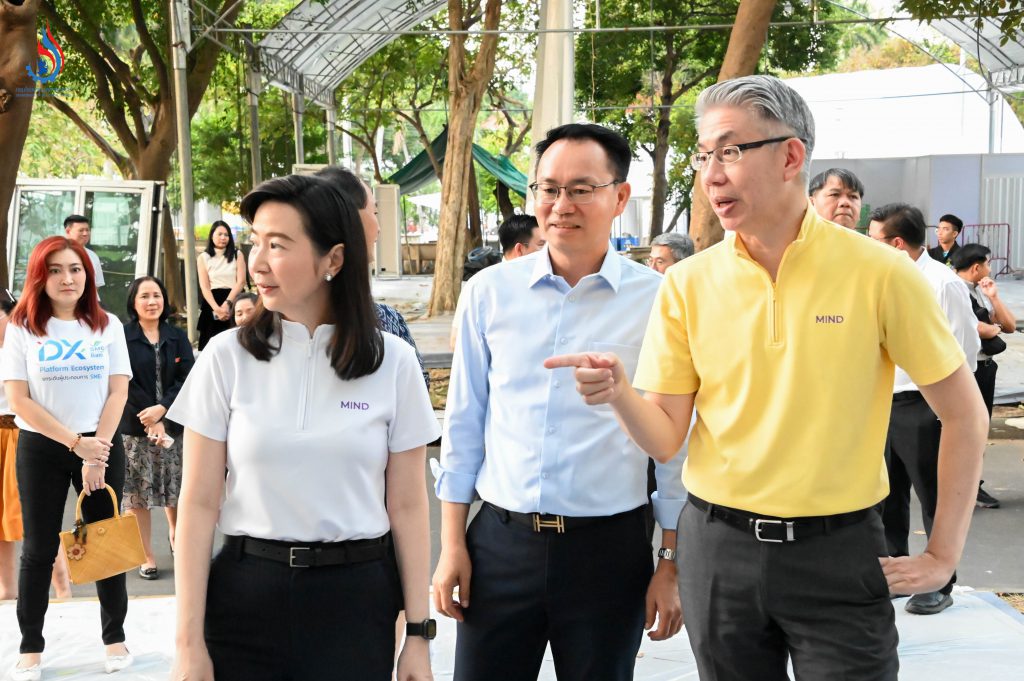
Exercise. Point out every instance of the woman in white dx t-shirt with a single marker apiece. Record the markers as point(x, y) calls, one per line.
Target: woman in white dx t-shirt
point(66, 373)
point(322, 423)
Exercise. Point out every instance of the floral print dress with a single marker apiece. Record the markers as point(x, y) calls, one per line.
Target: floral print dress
point(153, 475)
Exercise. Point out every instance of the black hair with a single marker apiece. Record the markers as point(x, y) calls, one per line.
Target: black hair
point(72, 219)
point(133, 291)
point(615, 145)
point(953, 220)
point(902, 220)
point(229, 250)
point(329, 218)
point(348, 182)
point(517, 229)
point(969, 254)
point(846, 178)
point(7, 301)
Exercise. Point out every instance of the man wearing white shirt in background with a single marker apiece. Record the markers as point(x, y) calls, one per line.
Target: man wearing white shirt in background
point(559, 552)
point(912, 447)
point(77, 228)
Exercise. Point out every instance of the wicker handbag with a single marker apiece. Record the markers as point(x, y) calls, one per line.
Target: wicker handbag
point(104, 548)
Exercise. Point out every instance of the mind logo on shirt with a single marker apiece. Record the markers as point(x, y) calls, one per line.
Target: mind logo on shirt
point(51, 351)
point(361, 406)
point(828, 319)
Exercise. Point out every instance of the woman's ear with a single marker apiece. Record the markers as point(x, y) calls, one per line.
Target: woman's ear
point(336, 259)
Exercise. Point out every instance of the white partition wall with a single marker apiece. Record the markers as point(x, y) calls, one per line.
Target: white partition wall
point(389, 242)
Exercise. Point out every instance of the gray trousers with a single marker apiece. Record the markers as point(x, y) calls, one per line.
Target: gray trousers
point(751, 606)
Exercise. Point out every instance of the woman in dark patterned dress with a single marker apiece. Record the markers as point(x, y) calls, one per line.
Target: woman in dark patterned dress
point(161, 358)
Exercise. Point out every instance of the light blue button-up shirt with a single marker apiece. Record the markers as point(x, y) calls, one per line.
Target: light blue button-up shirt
point(519, 435)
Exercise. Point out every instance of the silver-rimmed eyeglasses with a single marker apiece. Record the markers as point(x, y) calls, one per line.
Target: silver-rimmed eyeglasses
point(578, 192)
point(730, 153)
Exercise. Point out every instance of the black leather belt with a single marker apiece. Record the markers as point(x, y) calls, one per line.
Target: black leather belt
point(779, 530)
point(545, 522)
point(907, 395)
point(311, 554)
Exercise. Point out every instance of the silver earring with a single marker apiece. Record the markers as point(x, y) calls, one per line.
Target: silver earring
point(328, 276)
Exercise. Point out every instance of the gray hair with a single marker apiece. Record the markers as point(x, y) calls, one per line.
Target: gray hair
point(771, 99)
point(680, 244)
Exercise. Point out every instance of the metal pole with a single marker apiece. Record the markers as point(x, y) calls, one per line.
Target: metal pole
point(332, 146)
point(180, 38)
point(254, 86)
point(346, 146)
point(298, 109)
point(993, 99)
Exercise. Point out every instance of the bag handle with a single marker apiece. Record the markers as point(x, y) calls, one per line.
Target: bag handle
point(81, 498)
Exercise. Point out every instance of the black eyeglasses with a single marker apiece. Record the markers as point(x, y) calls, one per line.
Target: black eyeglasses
point(730, 153)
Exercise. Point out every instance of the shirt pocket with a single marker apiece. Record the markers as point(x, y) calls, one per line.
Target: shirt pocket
point(629, 355)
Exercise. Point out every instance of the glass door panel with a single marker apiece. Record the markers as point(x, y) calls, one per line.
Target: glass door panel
point(114, 216)
point(41, 213)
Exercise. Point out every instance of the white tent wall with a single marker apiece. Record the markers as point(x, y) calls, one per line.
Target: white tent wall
point(979, 188)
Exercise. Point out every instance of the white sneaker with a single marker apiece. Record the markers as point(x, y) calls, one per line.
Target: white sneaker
point(115, 663)
point(33, 673)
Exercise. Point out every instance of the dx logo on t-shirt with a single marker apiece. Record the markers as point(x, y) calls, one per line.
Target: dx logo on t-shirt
point(52, 350)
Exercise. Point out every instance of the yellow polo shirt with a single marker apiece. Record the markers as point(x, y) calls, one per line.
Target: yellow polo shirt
point(793, 379)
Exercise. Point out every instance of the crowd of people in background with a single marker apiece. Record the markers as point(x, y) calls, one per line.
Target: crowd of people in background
point(300, 432)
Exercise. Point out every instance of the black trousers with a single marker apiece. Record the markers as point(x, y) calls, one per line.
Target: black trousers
point(207, 325)
point(985, 375)
point(266, 621)
point(822, 601)
point(45, 470)
point(912, 460)
point(583, 591)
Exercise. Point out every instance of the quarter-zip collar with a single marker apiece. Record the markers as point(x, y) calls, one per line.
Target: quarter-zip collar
point(314, 350)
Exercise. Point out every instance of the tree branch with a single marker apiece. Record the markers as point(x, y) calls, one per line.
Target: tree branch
point(123, 163)
point(203, 58)
point(152, 49)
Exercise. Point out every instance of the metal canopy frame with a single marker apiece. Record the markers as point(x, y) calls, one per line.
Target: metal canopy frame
point(316, 66)
point(1004, 63)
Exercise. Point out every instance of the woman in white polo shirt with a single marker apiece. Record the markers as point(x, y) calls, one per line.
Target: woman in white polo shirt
point(66, 373)
point(314, 412)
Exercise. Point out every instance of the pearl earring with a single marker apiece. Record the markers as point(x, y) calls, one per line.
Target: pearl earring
point(328, 276)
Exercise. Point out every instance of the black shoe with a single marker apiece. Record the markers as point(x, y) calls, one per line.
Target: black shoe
point(985, 500)
point(149, 573)
point(928, 604)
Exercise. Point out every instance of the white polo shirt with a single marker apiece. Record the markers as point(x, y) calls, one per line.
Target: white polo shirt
point(97, 267)
point(306, 450)
point(68, 370)
point(954, 299)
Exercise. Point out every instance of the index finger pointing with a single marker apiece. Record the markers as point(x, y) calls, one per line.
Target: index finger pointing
point(577, 360)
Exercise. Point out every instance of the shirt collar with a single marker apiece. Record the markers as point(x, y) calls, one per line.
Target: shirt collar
point(808, 227)
point(133, 331)
point(611, 268)
point(298, 332)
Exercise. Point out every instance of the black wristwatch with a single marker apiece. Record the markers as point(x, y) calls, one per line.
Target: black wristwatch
point(426, 629)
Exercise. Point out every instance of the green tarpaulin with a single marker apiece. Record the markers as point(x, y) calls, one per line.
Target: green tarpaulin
point(419, 172)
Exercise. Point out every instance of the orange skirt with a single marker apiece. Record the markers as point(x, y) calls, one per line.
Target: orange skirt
point(10, 504)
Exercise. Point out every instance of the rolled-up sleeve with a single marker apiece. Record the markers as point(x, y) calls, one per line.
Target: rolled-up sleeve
point(670, 496)
point(462, 443)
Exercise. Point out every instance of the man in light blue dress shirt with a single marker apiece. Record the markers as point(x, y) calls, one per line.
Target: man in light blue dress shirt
point(559, 552)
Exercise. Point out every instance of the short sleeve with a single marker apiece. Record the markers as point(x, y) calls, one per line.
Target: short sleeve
point(117, 349)
point(413, 423)
point(14, 367)
point(665, 365)
point(204, 402)
point(915, 332)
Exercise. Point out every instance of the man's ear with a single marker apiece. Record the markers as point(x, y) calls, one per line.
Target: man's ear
point(796, 153)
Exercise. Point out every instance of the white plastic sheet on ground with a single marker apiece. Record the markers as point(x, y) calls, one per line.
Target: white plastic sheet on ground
point(979, 632)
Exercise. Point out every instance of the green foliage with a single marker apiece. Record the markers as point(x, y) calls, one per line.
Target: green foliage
point(897, 53)
point(53, 149)
point(1008, 13)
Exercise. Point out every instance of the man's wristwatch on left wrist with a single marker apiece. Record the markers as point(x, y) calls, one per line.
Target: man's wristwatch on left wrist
point(426, 629)
point(667, 554)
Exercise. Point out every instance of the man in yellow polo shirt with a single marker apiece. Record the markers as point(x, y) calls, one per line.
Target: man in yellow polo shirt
point(785, 337)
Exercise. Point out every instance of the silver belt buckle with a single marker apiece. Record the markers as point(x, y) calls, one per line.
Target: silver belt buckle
point(761, 522)
point(291, 556)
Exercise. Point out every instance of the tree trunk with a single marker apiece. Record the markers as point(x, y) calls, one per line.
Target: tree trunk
point(505, 204)
point(466, 86)
point(745, 44)
point(659, 187)
point(476, 234)
point(18, 36)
